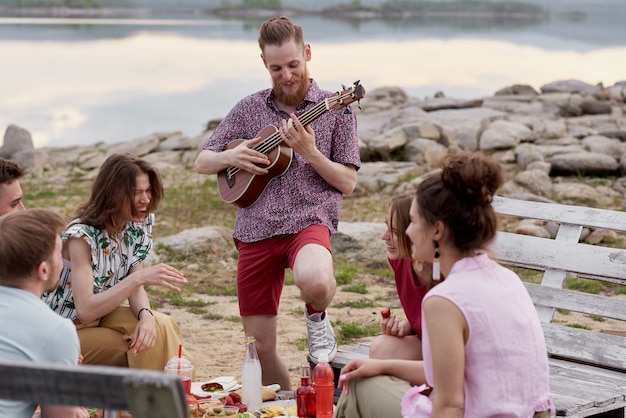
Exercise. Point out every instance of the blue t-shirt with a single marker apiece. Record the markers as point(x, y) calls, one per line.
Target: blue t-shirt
point(31, 331)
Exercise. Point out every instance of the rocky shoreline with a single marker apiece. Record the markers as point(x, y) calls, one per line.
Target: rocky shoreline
point(565, 142)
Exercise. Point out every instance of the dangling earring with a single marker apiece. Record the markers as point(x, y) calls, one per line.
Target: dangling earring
point(436, 268)
point(419, 266)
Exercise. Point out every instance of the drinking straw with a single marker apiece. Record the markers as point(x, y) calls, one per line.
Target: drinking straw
point(180, 354)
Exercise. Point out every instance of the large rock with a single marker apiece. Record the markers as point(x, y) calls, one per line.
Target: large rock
point(18, 147)
point(360, 240)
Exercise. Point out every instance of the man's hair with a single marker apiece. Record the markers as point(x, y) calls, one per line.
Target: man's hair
point(113, 190)
point(9, 171)
point(278, 30)
point(27, 238)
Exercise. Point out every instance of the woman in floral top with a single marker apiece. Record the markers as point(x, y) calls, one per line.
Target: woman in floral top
point(103, 253)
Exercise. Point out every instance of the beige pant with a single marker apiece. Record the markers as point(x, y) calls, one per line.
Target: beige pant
point(372, 397)
point(379, 396)
point(107, 341)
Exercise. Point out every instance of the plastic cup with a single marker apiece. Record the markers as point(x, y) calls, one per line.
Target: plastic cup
point(184, 371)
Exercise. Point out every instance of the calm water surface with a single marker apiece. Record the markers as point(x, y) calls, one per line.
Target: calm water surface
point(81, 81)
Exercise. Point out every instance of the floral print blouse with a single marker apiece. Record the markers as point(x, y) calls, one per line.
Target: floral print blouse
point(111, 260)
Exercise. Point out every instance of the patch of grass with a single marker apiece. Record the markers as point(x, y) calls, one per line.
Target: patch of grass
point(583, 285)
point(563, 311)
point(596, 318)
point(302, 343)
point(621, 290)
point(578, 326)
point(176, 299)
point(360, 288)
point(196, 311)
point(233, 318)
point(530, 276)
point(345, 271)
point(352, 330)
point(358, 304)
point(299, 311)
point(289, 278)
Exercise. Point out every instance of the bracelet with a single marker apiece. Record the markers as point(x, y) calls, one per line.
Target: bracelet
point(141, 310)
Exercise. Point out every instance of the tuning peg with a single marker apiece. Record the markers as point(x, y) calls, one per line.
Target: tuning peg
point(343, 87)
point(356, 83)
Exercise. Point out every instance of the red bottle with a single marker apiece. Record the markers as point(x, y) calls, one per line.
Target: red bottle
point(324, 379)
point(305, 394)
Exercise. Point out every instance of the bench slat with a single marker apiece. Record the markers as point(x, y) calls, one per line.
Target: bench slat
point(590, 261)
point(578, 388)
point(146, 393)
point(604, 306)
point(570, 214)
point(579, 345)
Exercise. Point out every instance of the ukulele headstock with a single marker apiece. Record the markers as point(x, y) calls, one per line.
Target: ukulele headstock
point(349, 95)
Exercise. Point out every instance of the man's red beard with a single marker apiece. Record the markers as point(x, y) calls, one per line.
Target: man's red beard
point(292, 98)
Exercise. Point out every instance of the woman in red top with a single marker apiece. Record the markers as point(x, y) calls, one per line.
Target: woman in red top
point(402, 339)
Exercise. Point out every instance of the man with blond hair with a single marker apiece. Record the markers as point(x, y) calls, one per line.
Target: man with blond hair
point(30, 264)
point(10, 190)
point(291, 223)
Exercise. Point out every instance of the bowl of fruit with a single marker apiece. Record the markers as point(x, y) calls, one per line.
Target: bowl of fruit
point(203, 408)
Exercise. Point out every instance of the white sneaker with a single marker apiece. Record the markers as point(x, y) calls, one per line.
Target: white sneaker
point(321, 336)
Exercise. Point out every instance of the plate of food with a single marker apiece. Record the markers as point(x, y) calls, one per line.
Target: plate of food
point(215, 388)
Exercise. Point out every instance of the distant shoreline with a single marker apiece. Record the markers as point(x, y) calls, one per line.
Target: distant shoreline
point(419, 10)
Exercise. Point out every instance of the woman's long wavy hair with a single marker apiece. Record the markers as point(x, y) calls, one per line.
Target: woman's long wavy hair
point(111, 203)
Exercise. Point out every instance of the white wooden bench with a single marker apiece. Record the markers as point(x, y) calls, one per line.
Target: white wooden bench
point(587, 368)
point(147, 394)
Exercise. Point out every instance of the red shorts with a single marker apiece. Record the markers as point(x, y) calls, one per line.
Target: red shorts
point(261, 268)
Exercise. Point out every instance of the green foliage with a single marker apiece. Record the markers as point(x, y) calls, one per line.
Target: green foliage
point(196, 311)
point(596, 318)
point(352, 330)
point(345, 270)
point(356, 288)
point(358, 304)
point(233, 318)
point(302, 343)
point(583, 285)
point(578, 326)
point(299, 311)
point(262, 4)
point(463, 6)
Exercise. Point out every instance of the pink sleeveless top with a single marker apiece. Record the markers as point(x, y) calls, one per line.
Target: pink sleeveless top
point(506, 362)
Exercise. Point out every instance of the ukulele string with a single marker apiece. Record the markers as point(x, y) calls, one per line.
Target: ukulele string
point(275, 139)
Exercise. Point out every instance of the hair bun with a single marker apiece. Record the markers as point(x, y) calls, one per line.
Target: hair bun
point(472, 176)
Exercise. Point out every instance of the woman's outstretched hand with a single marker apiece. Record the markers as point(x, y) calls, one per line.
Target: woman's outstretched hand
point(162, 275)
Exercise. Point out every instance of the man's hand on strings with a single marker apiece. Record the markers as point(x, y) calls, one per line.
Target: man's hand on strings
point(300, 138)
point(243, 156)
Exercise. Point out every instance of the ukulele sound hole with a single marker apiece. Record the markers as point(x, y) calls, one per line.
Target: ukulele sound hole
point(230, 180)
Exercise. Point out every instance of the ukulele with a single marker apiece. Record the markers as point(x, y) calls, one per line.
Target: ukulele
point(243, 188)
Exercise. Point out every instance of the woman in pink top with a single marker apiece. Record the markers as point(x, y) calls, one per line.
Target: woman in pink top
point(402, 339)
point(484, 350)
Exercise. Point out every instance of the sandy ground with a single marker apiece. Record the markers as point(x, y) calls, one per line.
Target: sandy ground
point(217, 344)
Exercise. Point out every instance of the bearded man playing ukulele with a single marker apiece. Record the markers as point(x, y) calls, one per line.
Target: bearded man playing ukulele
point(290, 223)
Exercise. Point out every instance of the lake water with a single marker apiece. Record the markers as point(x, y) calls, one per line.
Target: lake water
point(81, 81)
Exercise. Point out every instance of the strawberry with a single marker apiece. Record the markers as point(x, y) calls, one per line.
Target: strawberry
point(227, 400)
point(386, 313)
point(235, 397)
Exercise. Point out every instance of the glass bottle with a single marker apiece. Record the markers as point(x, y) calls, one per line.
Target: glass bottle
point(324, 378)
point(305, 394)
point(251, 382)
